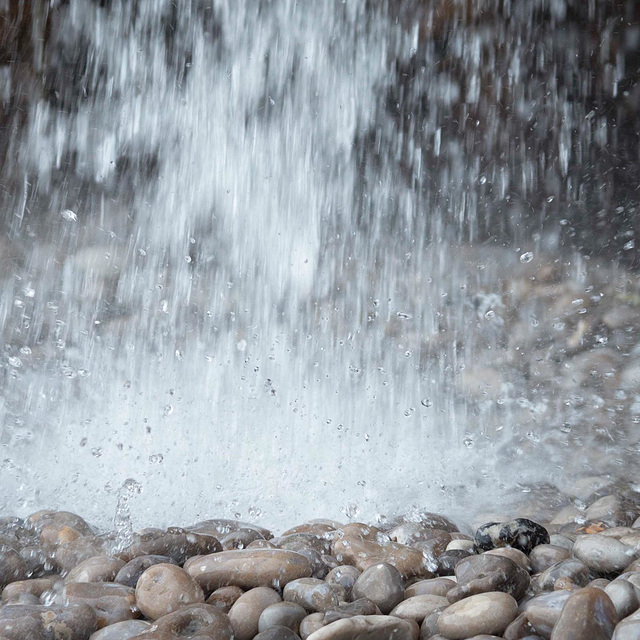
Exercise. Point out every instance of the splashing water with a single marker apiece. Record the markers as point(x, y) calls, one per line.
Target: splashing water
point(240, 264)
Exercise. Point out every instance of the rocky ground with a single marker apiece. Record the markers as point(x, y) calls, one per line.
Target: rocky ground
point(572, 575)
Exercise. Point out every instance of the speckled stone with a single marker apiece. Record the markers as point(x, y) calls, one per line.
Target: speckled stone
point(521, 533)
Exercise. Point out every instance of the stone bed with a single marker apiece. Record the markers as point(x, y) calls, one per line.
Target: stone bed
point(575, 576)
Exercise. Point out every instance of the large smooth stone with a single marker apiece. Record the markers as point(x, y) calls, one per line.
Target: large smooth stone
point(70, 555)
point(366, 628)
point(576, 570)
point(521, 533)
point(382, 584)
point(431, 586)
point(131, 571)
point(363, 546)
point(111, 602)
point(628, 629)
point(200, 621)
point(489, 613)
point(282, 614)
point(602, 553)
point(311, 593)
point(176, 543)
point(247, 609)
point(546, 555)
point(625, 597)
point(220, 527)
point(588, 614)
point(37, 521)
point(543, 611)
point(224, 598)
point(418, 607)
point(165, 588)
point(35, 622)
point(344, 576)
point(521, 559)
point(121, 630)
point(95, 569)
point(249, 568)
point(486, 573)
point(35, 586)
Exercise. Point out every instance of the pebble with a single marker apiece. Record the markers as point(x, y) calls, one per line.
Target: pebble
point(576, 570)
point(179, 544)
point(588, 614)
point(95, 569)
point(418, 607)
point(131, 572)
point(431, 586)
point(197, 621)
point(38, 622)
point(382, 584)
point(121, 630)
point(249, 568)
point(625, 597)
point(516, 555)
point(603, 554)
point(521, 533)
point(35, 586)
point(360, 607)
point(164, 588)
point(486, 573)
point(277, 633)
point(543, 610)
point(224, 598)
point(352, 546)
point(111, 602)
point(311, 593)
point(282, 614)
point(344, 576)
point(310, 624)
point(12, 567)
point(367, 628)
point(247, 609)
point(488, 613)
point(546, 555)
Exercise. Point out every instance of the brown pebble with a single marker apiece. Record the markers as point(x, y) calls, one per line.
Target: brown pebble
point(247, 609)
point(224, 598)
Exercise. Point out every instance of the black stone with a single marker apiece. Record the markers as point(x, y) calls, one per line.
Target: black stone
point(521, 533)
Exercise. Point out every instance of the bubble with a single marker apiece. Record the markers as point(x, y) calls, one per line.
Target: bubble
point(468, 441)
point(351, 510)
point(526, 257)
point(69, 215)
point(156, 458)
point(426, 402)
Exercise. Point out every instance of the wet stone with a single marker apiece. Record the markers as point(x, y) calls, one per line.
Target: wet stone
point(576, 570)
point(625, 597)
point(310, 624)
point(164, 588)
point(431, 586)
point(546, 555)
point(35, 586)
point(240, 539)
point(344, 576)
point(517, 556)
point(382, 584)
point(247, 609)
point(429, 626)
point(12, 567)
point(486, 573)
point(95, 569)
point(199, 621)
point(603, 554)
point(360, 607)
point(521, 533)
point(311, 593)
point(111, 602)
point(448, 561)
point(249, 568)
point(366, 628)
point(121, 630)
point(282, 614)
point(220, 527)
point(418, 607)
point(488, 613)
point(277, 633)
point(131, 572)
point(175, 542)
point(73, 622)
point(69, 555)
point(224, 598)
point(588, 614)
point(544, 610)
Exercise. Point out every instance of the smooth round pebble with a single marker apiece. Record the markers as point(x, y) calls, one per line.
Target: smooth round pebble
point(603, 554)
point(382, 584)
point(247, 609)
point(311, 593)
point(282, 614)
point(588, 614)
point(489, 613)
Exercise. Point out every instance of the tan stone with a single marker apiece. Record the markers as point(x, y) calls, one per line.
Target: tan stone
point(247, 609)
point(95, 569)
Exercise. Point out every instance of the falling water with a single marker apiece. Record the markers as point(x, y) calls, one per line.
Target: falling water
point(264, 258)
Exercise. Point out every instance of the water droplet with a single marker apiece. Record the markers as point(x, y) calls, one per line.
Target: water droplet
point(490, 314)
point(526, 257)
point(15, 362)
point(167, 410)
point(242, 345)
point(96, 452)
point(156, 458)
point(351, 510)
point(534, 437)
point(426, 402)
point(67, 214)
point(468, 441)
point(629, 245)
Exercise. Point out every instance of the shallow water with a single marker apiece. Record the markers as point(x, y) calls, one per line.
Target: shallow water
point(266, 259)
